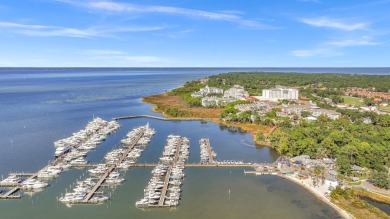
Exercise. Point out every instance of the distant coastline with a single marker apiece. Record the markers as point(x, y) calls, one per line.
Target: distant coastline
point(331, 70)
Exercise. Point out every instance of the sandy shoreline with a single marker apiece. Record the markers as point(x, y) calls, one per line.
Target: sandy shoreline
point(320, 195)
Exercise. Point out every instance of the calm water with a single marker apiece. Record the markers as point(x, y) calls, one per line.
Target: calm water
point(40, 106)
point(382, 206)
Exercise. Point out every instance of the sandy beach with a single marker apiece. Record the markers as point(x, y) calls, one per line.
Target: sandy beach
point(319, 191)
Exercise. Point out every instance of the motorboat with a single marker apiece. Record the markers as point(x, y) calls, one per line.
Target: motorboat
point(11, 179)
point(33, 184)
point(62, 150)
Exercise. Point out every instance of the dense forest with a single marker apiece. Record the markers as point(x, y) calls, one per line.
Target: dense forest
point(348, 139)
point(254, 82)
point(351, 143)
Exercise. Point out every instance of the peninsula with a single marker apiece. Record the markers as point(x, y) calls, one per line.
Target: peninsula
point(332, 129)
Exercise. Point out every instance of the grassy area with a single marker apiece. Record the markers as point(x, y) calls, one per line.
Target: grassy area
point(355, 183)
point(385, 108)
point(251, 128)
point(353, 100)
point(164, 101)
point(348, 200)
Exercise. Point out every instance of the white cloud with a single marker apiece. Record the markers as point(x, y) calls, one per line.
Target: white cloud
point(334, 23)
point(110, 6)
point(359, 42)
point(322, 52)
point(49, 31)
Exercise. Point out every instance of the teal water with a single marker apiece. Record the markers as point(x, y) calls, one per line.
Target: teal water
point(38, 108)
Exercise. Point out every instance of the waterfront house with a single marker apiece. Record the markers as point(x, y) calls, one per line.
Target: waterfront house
point(331, 181)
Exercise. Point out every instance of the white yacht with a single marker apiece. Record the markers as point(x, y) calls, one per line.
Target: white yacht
point(11, 179)
point(33, 184)
point(62, 150)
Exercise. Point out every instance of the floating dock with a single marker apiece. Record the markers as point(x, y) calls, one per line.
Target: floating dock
point(111, 168)
point(17, 186)
point(158, 118)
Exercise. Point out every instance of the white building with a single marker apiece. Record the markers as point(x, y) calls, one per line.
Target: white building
point(280, 93)
point(216, 101)
point(237, 92)
point(206, 91)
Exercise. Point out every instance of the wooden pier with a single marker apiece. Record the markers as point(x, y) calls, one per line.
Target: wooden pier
point(9, 194)
point(87, 198)
point(158, 118)
point(18, 186)
point(168, 175)
point(211, 158)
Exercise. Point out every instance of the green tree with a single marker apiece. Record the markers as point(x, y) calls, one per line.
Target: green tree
point(260, 136)
point(344, 165)
point(380, 179)
point(305, 114)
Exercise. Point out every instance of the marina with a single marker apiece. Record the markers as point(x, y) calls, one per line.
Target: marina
point(163, 189)
point(86, 191)
point(34, 120)
point(207, 155)
point(66, 153)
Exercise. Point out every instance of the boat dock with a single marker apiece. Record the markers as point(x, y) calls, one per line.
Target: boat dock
point(111, 168)
point(163, 189)
point(9, 194)
point(168, 175)
point(31, 176)
point(158, 118)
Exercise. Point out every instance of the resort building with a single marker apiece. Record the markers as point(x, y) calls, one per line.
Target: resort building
point(280, 93)
point(237, 92)
point(216, 101)
point(289, 110)
point(206, 91)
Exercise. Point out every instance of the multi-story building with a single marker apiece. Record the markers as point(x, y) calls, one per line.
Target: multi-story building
point(206, 91)
point(281, 93)
point(237, 92)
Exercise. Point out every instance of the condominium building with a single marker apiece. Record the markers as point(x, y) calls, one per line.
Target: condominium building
point(280, 93)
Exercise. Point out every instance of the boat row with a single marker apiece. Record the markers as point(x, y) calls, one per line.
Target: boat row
point(71, 151)
point(88, 138)
point(163, 188)
point(204, 151)
point(105, 172)
point(81, 190)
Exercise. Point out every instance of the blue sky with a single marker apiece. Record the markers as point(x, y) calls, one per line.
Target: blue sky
point(189, 33)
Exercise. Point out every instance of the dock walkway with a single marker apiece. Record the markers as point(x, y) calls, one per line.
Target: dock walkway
point(30, 176)
point(87, 198)
point(168, 175)
point(158, 118)
point(211, 158)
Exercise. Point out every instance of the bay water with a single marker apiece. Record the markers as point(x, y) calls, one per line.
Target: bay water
point(40, 106)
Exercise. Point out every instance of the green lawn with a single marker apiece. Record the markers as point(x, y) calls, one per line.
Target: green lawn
point(353, 100)
point(385, 108)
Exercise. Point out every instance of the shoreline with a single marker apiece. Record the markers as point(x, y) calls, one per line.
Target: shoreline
point(343, 213)
point(246, 127)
